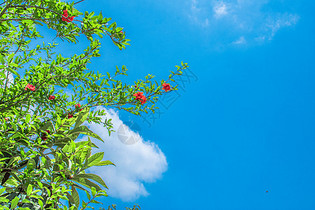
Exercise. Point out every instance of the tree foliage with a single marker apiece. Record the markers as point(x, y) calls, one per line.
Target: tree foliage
point(42, 166)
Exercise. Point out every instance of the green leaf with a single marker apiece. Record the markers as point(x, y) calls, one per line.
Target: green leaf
point(40, 202)
point(94, 201)
point(37, 22)
point(82, 117)
point(67, 148)
point(49, 126)
point(86, 131)
point(14, 72)
point(93, 191)
point(87, 183)
point(95, 159)
point(2, 190)
point(58, 120)
point(70, 198)
point(29, 190)
point(93, 177)
point(31, 163)
point(10, 56)
point(76, 197)
point(1, 59)
point(104, 163)
point(27, 118)
point(14, 202)
point(79, 187)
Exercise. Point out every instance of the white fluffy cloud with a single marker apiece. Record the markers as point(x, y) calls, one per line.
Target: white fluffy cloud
point(220, 9)
point(137, 161)
point(240, 21)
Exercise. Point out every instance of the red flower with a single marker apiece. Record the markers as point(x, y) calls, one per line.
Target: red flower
point(143, 99)
point(77, 106)
point(31, 87)
point(51, 98)
point(70, 19)
point(44, 138)
point(70, 116)
point(48, 131)
point(6, 119)
point(65, 17)
point(140, 97)
point(166, 87)
point(80, 109)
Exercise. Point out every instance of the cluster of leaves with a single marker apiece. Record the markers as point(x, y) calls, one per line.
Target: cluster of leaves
point(46, 173)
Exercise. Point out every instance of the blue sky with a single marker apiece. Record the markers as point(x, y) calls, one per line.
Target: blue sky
point(243, 127)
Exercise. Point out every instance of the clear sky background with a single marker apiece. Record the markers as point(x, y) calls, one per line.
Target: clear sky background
point(243, 127)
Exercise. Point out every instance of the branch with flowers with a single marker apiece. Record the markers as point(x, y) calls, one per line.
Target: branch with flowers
point(41, 163)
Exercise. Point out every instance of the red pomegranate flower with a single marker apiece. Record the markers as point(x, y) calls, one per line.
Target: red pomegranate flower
point(31, 87)
point(51, 98)
point(70, 19)
point(65, 16)
point(143, 99)
point(140, 97)
point(166, 87)
point(70, 116)
point(77, 106)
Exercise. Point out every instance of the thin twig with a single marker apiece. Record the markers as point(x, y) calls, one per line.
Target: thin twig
point(78, 2)
point(19, 19)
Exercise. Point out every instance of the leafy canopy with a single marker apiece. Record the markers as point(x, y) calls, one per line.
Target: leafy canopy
point(42, 166)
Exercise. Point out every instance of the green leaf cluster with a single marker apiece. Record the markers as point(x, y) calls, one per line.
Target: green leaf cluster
point(42, 165)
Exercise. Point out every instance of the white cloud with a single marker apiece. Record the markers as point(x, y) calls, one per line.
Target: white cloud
point(137, 161)
point(284, 20)
point(196, 10)
point(256, 20)
point(194, 7)
point(220, 10)
point(240, 41)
